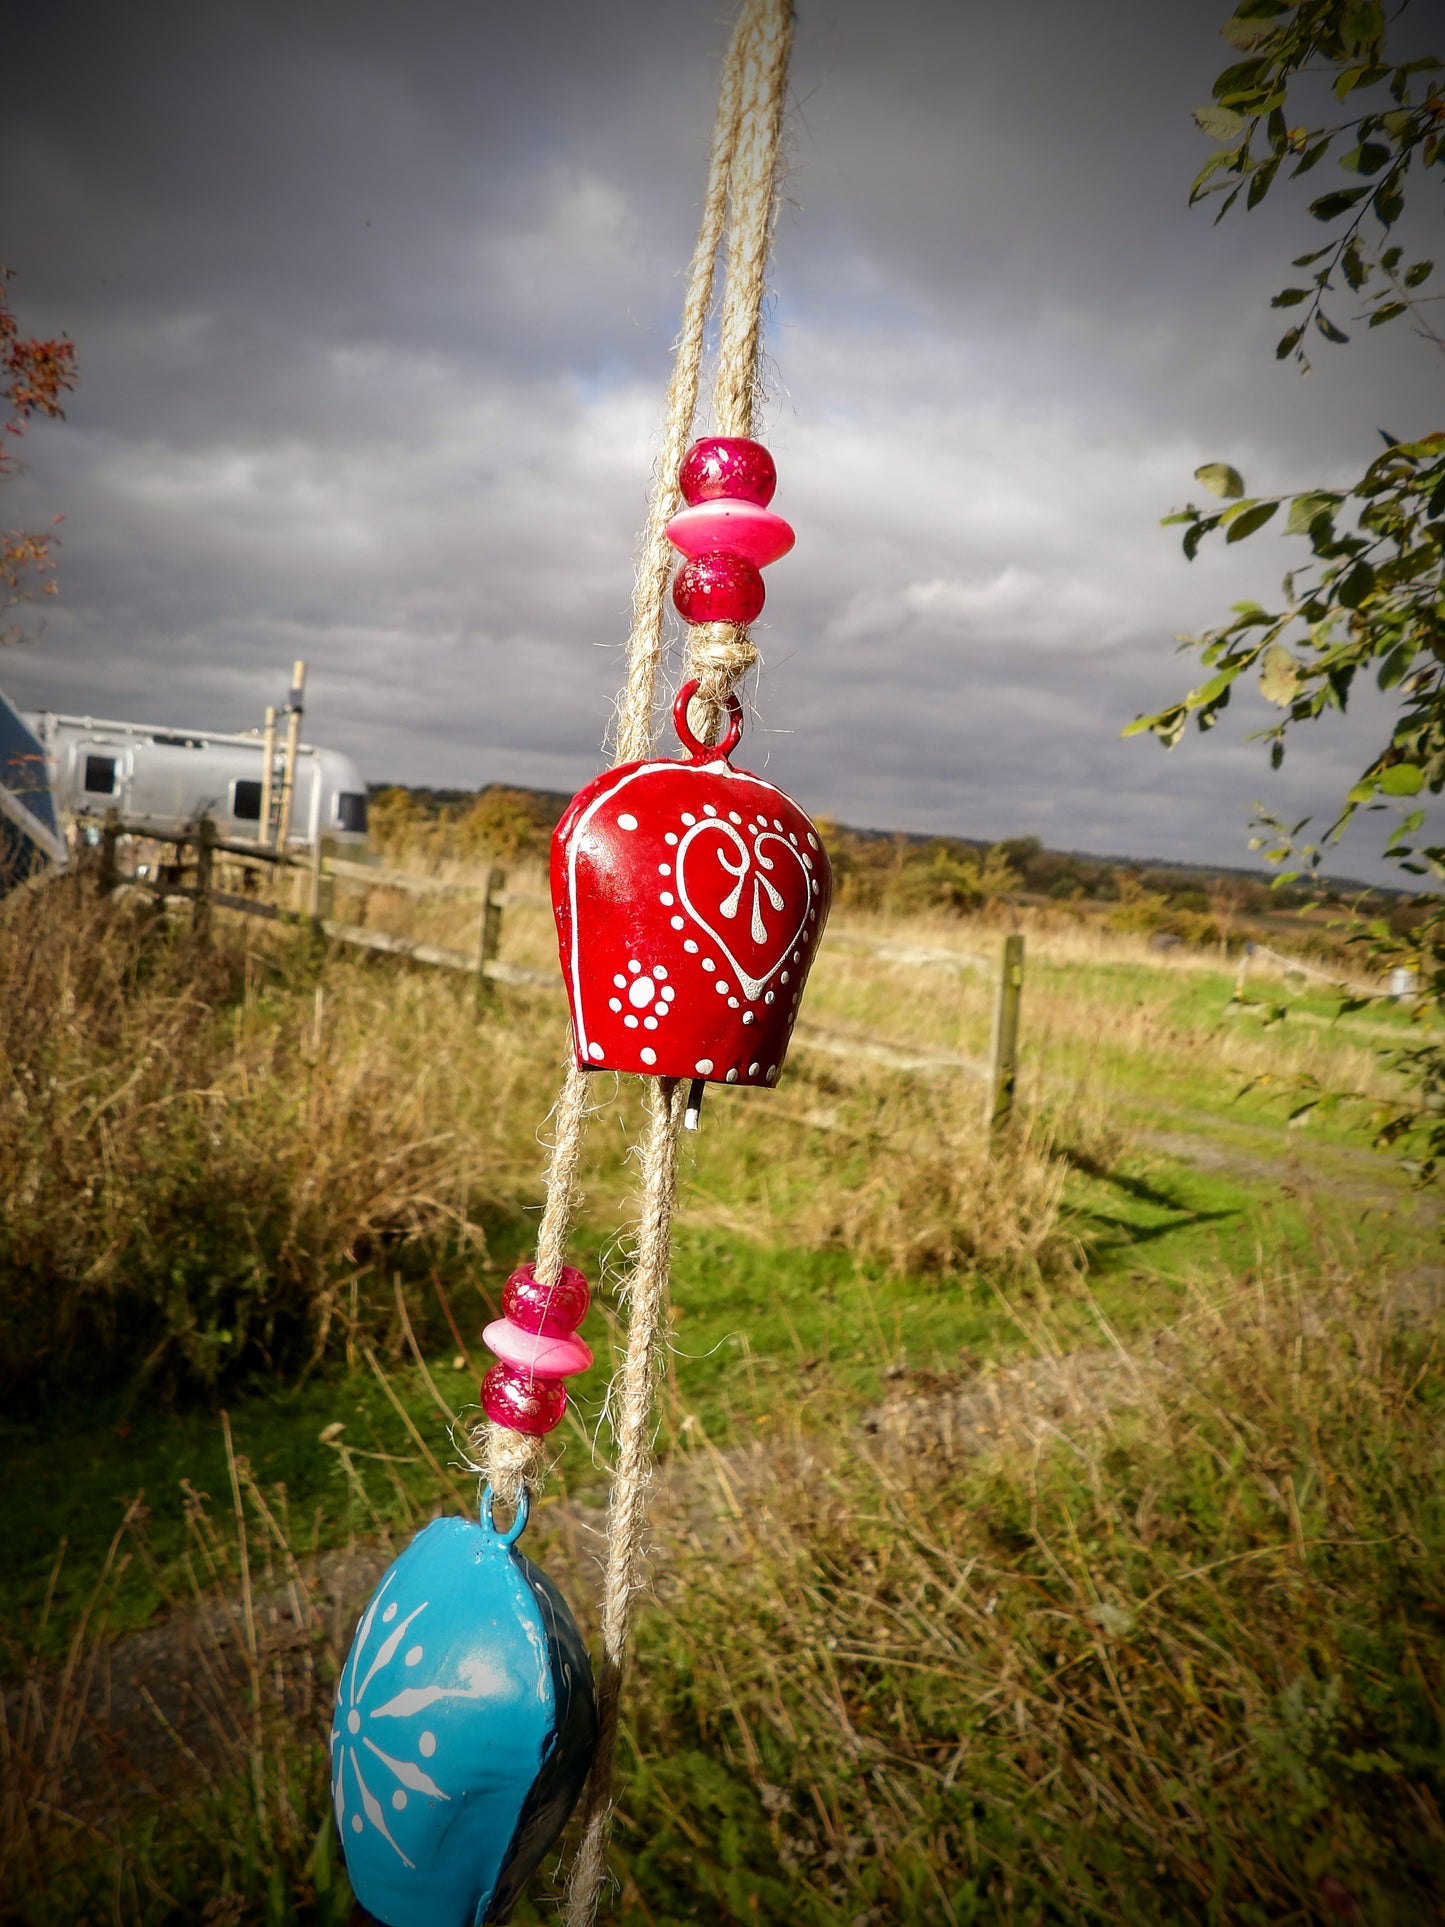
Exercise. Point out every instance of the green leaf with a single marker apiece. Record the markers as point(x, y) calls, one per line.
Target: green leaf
point(1254, 517)
point(1193, 537)
point(1421, 271)
point(1364, 25)
point(1240, 81)
point(1220, 479)
point(1305, 510)
point(1307, 260)
point(1329, 207)
point(1387, 311)
point(1249, 25)
point(1167, 725)
point(1243, 34)
point(1390, 200)
point(1289, 297)
point(1211, 691)
point(1219, 123)
point(1222, 157)
point(1353, 263)
point(1401, 779)
point(1393, 669)
point(1368, 158)
point(1328, 329)
point(1260, 182)
point(1287, 344)
point(1356, 585)
point(1311, 157)
point(1354, 77)
point(1279, 677)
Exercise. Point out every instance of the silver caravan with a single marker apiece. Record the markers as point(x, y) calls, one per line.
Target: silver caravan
point(161, 781)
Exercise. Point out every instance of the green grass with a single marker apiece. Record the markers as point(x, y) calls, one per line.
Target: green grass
point(762, 1335)
point(830, 1721)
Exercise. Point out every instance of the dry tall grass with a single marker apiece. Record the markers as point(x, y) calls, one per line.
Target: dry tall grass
point(1127, 1637)
point(1152, 1635)
point(201, 1146)
point(204, 1147)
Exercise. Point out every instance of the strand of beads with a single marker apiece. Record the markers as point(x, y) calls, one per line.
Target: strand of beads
point(727, 532)
point(537, 1346)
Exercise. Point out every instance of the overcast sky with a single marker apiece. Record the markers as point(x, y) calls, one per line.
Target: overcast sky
point(374, 305)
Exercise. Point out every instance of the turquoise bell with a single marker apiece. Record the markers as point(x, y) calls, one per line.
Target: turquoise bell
point(464, 1728)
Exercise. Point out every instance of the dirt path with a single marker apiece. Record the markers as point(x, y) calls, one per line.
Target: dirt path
point(170, 1706)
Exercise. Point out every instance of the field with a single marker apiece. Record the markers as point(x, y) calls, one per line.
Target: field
point(1049, 1536)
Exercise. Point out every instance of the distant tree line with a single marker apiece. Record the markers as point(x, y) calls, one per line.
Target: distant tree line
point(896, 874)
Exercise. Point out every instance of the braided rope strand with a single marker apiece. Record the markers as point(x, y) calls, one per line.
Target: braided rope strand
point(720, 654)
point(647, 1297)
point(760, 48)
point(510, 1461)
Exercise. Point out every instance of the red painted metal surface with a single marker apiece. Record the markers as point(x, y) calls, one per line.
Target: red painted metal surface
point(690, 898)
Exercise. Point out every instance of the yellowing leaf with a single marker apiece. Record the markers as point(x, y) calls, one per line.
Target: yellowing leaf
point(1220, 479)
point(1279, 678)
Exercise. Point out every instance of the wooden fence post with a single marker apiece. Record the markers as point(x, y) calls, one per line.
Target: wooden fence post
point(489, 929)
point(293, 743)
point(320, 850)
point(205, 861)
point(1242, 972)
point(1003, 1068)
point(106, 876)
point(268, 779)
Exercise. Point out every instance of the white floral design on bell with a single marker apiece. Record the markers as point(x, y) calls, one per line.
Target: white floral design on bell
point(675, 925)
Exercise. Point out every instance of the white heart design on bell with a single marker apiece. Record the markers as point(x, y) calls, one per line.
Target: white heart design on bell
point(732, 903)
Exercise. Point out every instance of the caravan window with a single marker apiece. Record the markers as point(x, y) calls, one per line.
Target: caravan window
point(246, 800)
point(100, 775)
point(351, 812)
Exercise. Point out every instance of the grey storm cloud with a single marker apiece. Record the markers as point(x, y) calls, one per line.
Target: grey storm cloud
point(374, 307)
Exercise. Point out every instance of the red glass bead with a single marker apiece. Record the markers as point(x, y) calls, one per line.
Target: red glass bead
point(730, 527)
point(727, 465)
point(718, 588)
point(536, 1354)
point(532, 1406)
point(553, 1309)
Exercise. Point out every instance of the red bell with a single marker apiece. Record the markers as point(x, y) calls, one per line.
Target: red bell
point(690, 897)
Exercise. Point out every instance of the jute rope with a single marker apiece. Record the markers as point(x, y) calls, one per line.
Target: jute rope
point(741, 184)
point(720, 656)
point(647, 1299)
point(509, 1460)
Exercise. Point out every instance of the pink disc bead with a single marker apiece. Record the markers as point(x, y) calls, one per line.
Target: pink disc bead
point(554, 1309)
point(727, 465)
point(729, 527)
point(532, 1406)
point(536, 1354)
point(718, 588)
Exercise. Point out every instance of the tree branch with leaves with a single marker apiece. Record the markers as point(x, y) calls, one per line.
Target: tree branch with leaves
point(35, 372)
point(1370, 598)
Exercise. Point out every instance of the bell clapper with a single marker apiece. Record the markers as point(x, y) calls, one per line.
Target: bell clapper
point(693, 1113)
